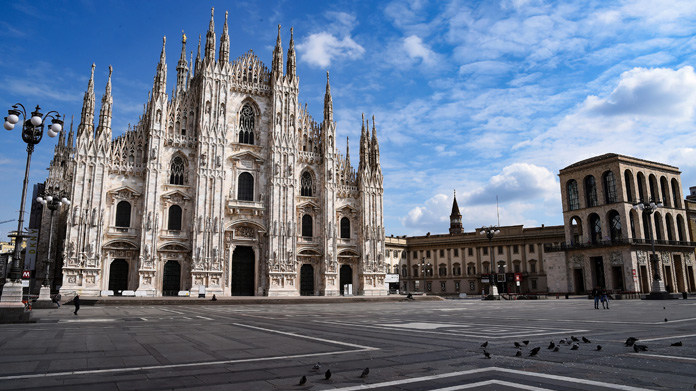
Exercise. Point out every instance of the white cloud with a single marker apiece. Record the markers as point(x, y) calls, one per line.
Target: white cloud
point(415, 49)
point(517, 182)
point(321, 48)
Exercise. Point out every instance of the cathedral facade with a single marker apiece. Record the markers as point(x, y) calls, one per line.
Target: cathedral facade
point(228, 184)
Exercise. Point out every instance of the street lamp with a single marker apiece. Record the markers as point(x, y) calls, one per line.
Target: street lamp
point(657, 291)
point(32, 133)
point(491, 231)
point(425, 272)
point(53, 202)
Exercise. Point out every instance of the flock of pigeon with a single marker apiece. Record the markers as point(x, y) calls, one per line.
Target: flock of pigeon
point(327, 374)
point(573, 342)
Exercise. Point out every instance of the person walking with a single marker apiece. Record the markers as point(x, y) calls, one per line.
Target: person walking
point(56, 299)
point(595, 294)
point(604, 298)
point(76, 301)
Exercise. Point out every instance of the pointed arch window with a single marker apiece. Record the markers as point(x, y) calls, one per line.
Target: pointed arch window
point(123, 214)
point(245, 189)
point(176, 171)
point(174, 221)
point(307, 226)
point(246, 125)
point(306, 185)
point(345, 228)
point(573, 201)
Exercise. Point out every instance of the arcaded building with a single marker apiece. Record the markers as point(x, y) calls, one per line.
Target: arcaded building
point(227, 183)
point(608, 241)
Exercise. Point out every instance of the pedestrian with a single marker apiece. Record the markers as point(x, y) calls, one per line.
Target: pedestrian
point(604, 298)
point(56, 299)
point(214, 298)
point(595, 294)
point(76, 301)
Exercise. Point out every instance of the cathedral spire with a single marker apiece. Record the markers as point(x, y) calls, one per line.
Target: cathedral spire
point(374, 145)
point(347, 151)
point(159, 87)
point(328, 102)
point(86, 127)
point(71, 134)
point(181, 67)
point(104, 128)
point(364, 146)
point(455, 217)
point(210, 38)
point(277, 67)
point(224, 44)
point(198, 55)
point(292, 62)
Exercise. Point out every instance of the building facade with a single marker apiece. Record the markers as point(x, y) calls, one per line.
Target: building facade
point(228, 184)
point(468, 262)
point(608, 242)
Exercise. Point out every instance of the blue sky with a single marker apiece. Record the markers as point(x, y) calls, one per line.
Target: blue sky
point(489, 98)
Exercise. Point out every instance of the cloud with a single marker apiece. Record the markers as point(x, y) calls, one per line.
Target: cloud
point(435, 212)
point(659, 92)
point(517, 182)
point(321, 48)
point(415, 49)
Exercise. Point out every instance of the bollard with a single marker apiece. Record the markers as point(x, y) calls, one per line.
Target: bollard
point(684, 295)
point(566, 296)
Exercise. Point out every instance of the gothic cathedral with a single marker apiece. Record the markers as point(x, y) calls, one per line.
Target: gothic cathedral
point(228, 184)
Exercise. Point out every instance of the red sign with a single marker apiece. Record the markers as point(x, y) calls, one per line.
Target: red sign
point(634, 272)
point(26, 274)
point(518, 276)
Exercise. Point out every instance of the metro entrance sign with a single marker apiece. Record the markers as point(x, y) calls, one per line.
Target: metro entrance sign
point(26, 274)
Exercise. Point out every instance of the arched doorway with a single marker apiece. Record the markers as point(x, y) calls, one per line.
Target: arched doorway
point(243, 271)
point(171, 279)
point(307, 280)
point(118, 276)
point(346, 277)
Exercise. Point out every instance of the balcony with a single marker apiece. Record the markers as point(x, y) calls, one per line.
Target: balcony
point(620, 242)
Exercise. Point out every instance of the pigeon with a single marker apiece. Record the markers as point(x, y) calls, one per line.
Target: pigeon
point(677, 344)
point(599, 347)
point(664, 308)
point(534, 351)
point(327, 375)
point(562, 341)
point(518, 354)
point(557, 348)
point(575, 347)
point(525, 343)
point(365, 372)
point(630, 341)
point(485, 353)
point(574, 338)
point(639, 348)
point(585, 340)
point(303, 381)
point(665, 319)
point(484, 345)
point(551, 345)
point(317, 366)
point(517, 345)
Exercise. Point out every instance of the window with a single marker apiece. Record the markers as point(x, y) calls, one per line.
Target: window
point(457, 269)
point(633, 226)
point(245, 190)
point(516, 249)
point(307, 226)
point(472, 286)
point(500, 250)
point(246, 125)
point(572, 190)
point(670, 227)
point(485, 251)
point(532, 267)
point(442, 270)
point(415, 271)
point(680, 228)
point(388, 252)
point(456, 286)
point(396, 269)
point(429, 286)
point(609, 187)
point(470, 269)
point(404, 271)
point(595, 229)
point(345, 228)
point(306, 185)
point(534, 284)
point(615, 226)
point(664, 187)
point(516, 267)
point(123, 214)
point(176, 171)
point(427, 254)
point(532, 248)
point(415, 254)
point(174, 221)
point(641, 187)
point(676, 201)
point(456, 252)
point(590, 191)
point(658, 226)
point(442, 253)
point(443, 286)
point(628, 182)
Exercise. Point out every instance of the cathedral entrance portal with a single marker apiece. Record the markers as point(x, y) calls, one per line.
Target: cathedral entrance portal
point(118, 276)
point(346, 277)
point(243, 271)
point(171, 279)
point(307, 280)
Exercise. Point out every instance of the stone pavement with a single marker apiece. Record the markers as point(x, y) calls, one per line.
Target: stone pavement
point(419, 345)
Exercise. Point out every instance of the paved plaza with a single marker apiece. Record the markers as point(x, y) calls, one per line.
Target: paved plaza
point(407, 345)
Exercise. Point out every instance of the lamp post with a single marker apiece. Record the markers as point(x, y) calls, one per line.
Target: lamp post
point(53, 202)
point(657, 290)
point(32, 133)
point(491, 231)
point(425, 272)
